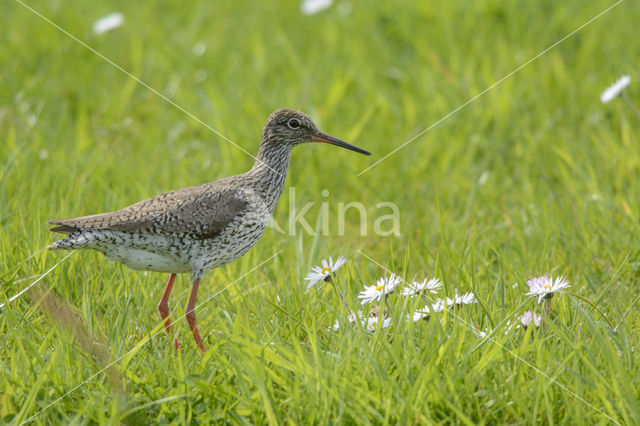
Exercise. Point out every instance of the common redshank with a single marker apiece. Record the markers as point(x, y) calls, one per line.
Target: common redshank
point(200, 227)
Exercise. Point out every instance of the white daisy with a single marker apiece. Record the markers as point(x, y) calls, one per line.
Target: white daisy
point(371, 323)
point(615, 89)
point(460, 300)
point(426, 311)
point(311, 7)
point(544, 287)
point(439, 305)
point(432, 285)
point(380, 288)
point(418, 315)
point(528, 317)
point(324, 272)
point(108, 23)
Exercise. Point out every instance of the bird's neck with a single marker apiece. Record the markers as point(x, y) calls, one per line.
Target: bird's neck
point(270, 169)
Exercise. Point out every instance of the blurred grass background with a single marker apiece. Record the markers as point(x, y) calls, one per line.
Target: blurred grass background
point(534, 177)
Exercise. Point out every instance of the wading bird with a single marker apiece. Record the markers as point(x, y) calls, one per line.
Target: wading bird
point(200, 227)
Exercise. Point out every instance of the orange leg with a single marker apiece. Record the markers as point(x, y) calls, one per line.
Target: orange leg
point(163, 307)
point(191, 316)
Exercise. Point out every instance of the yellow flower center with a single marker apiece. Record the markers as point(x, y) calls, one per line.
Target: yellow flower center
point(326, 271)
point(379, 287)
point(547, 287)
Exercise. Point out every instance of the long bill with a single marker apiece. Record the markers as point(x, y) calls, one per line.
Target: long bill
point(323, 137)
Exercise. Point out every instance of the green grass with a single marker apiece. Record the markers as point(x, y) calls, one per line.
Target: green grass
point(559, 194)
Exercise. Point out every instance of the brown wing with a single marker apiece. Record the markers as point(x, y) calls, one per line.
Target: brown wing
point(198, 211)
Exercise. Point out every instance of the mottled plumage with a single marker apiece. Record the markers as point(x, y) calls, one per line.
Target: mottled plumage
point(201, 227)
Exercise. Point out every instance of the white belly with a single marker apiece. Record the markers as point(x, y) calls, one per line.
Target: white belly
point(146, 260)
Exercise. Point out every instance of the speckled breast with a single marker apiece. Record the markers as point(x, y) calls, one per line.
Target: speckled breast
point(239, 236)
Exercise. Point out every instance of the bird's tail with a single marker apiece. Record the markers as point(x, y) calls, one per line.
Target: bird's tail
point(77, 240)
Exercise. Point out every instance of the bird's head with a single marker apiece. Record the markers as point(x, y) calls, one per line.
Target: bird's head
point(290, 128)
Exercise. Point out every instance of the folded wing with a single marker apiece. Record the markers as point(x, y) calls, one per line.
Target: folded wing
point(198, 212)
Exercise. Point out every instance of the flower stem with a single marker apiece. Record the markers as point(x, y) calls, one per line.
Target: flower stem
point(387, 307)
point(346, 304)
point(631, 105)
point(424, 297)
point(593, 306)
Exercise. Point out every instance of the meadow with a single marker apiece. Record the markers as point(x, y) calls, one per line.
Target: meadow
point(535, 176)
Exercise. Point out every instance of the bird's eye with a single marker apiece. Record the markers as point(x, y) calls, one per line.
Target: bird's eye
point(293, 123)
